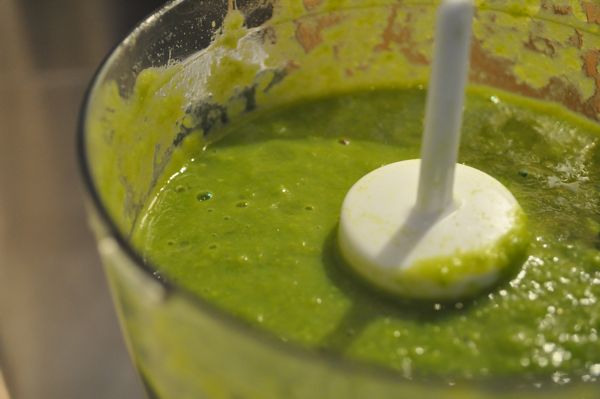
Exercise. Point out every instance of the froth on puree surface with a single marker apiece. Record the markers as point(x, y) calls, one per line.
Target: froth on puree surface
point(248, 223)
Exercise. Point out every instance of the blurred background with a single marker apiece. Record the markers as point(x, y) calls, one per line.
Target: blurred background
point(59, 336)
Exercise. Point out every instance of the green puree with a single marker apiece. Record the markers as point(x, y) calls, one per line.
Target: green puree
point(249, 223)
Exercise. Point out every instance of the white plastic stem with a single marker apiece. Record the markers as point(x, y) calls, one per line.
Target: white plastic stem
point(414, 227)
point(445, 99)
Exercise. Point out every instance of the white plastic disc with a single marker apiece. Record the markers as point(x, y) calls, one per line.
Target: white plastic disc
point(385, 238)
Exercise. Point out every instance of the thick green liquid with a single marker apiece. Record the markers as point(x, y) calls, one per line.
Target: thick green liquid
point(249, 223)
